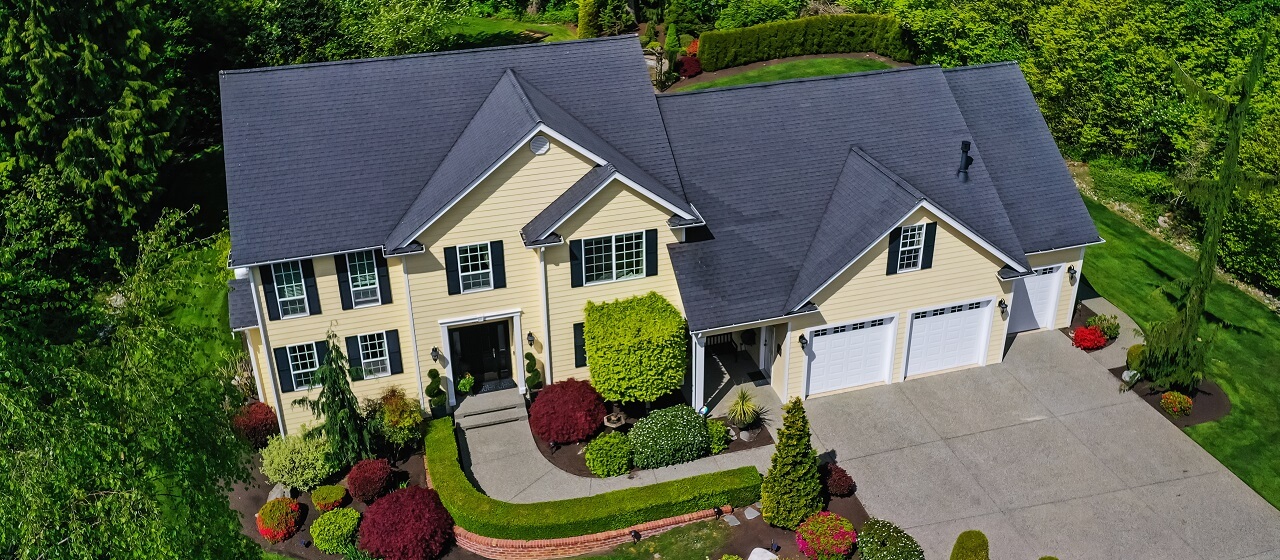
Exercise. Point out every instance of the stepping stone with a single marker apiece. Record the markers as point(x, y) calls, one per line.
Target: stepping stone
point(750, 513)
point(762, 554)
point(731, 520)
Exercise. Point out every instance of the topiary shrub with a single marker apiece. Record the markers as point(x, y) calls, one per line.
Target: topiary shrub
point(335, 531)
point(669, 436)
point(256, 422)
point(609, 455)
point(826, 536)
point(408, 524)
point(792, 489)
point(1133, 356)
point(1088, 338)
point(278, 519)
point(1108, 325)
point(836, 480)
point(396, 419)
point(327, 498)
point(436, 396)
point(368, 479)
point(532, 377)
point(637, 348)
point(882, 540)
point(567, 411)
point(971, 545)
point(297, 461)
point(719, 434)
point(1175, 404)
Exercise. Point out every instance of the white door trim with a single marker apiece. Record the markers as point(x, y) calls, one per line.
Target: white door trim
point(989, 301)
point(1060, 271)
point(517, 343)
point(890, 319)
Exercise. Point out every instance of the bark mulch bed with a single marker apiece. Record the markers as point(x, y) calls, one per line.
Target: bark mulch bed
point(1208, 403)
point(572, 458)
point(1082, 314)
point(755, 533)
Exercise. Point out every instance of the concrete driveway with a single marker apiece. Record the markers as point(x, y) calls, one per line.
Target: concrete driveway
point(1044, 455)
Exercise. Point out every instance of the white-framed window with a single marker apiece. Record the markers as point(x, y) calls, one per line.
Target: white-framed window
point(613, 257)
point(303, 364)
point(910, 248)
point(362, 273)
point(291, 294)
point(374, 359)
point(475, 267)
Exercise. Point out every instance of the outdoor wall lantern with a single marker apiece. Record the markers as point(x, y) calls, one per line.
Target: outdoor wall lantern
point(1004, 306)
point(804, 342)
point(1071, 271)
point(435, 354)
point(529, 338)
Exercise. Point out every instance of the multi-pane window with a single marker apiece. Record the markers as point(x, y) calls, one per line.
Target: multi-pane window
point(373, 355)
point(910, 248)
point(613, 257)
point(303, 365)
point(362, 272)
point(290, 292)
point(475, 267)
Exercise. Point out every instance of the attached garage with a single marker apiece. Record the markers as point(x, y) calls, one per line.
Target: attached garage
point(1035, 299)
point(850, 354)
point(948, 337)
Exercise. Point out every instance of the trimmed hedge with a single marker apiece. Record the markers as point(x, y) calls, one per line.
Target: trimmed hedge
point(619, 509)
point(637, 348)
point(971, 545)
point(810, 35)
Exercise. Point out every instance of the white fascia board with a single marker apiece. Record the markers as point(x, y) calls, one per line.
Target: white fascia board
point(972, 235)
point(624, 180)
point(752, 324)
point(1098, 242)
point(315, 256)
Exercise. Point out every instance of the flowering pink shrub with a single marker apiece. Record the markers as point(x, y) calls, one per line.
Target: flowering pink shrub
point(826, 536)
point(1089, 338)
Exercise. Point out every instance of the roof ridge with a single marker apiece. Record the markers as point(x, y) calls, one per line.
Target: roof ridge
point(902, 183)
point(866, 73)
point(516, 82)
point(981, 66)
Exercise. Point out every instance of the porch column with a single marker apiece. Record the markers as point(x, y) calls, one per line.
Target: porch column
point(699, 373)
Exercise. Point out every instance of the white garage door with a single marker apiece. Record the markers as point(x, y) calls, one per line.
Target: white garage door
point(947, 337)
point(849, 355)
point(1035, 299)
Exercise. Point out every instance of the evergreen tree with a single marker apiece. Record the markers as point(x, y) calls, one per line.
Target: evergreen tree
point(588, 19)
point(348, 431)
point(671, 48)
point(792, 489)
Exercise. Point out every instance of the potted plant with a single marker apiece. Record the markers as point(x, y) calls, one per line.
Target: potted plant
point(467, 384)
point(744, 413)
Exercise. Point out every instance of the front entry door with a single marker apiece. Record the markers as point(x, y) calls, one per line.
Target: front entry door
point(484, 351)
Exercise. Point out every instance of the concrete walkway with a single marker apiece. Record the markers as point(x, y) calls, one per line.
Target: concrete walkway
point(1047, 457)
point(1116, 354)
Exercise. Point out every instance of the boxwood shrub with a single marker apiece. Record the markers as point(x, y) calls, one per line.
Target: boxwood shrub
point(669, 436)
point(882, 540)
point(971, 545)
point(619, 509)
point(609, 455)
point(335, 531)
point(810, 35)
point(297, 461)
point(637, 348)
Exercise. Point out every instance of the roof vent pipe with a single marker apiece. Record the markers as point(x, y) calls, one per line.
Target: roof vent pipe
point(965, 161)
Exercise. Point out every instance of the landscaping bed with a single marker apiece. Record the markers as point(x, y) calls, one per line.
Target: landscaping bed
point(1211, 402)
point(1080, 319)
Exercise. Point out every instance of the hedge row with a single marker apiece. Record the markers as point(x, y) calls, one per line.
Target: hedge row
point(810, 35)
point(619, 509)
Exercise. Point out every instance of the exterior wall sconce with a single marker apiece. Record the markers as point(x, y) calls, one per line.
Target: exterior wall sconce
point(435, 354)
point(804, 342)
point(1071, 271)
point(1004, 307)
point(529, 338)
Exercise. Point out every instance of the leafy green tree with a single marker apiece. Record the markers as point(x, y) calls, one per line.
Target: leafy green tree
point(637, 348)
point(792, 489)
point(397, 27)
point(297, 32)
point(588, 19)
point(350, 436)
point(615, 17)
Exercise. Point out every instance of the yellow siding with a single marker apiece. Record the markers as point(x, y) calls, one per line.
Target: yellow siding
point(253, 339)
point(962, 271)
point(778, 371)
point(1066, 257)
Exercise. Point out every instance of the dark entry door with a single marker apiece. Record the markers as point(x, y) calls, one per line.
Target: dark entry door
point(484, 351)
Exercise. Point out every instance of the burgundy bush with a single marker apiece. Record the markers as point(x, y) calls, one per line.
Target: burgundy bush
point(408, 524)
point(689, 66)
point(836, 480)
point(368, 479)
point(567, 411)
point(256, 422)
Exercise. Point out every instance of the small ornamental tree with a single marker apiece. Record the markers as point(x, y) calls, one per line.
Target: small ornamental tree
point(792, 489)
point(408, 524)
point(565, 412)
point(671, 48)
point(637, 348)
point(350, 438)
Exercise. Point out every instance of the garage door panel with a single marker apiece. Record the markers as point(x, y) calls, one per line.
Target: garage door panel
point(849, 355)
point(947, 337)
point(1035, 299)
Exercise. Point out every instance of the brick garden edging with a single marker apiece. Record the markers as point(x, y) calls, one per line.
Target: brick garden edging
point(508, 549)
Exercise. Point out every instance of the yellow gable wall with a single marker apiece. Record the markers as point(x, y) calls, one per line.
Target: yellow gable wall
point(962, 272)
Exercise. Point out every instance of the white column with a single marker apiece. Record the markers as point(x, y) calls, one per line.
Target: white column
point(447, 376)
point(517, 367)
point(272, 367)
point(546, 318)
point(413, 332)
point(253, 361)
point(699, 373)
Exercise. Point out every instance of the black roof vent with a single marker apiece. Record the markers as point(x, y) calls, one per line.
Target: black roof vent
point(965, 161)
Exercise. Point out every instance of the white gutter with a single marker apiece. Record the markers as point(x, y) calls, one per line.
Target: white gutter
point(761, 322)
point(1098, 242)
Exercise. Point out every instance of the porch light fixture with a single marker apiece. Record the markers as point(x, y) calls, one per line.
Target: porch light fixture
point(804, 342)
point(1071, 271)
point(1004, 306)
point(529, 338)
point(435, 354)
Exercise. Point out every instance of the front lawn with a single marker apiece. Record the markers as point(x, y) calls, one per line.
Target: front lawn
point(806, 68)
point(476, 32)
point(695, 541)
point(1129, 269)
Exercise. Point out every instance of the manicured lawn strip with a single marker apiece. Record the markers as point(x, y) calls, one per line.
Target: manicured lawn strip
point(1129, 269)
point(695, 541)
point(619, 509)
point(492, 32)
point(806, 68)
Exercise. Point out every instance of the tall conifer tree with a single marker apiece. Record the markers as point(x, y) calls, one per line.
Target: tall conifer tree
point(792, 489)
point(341, 422)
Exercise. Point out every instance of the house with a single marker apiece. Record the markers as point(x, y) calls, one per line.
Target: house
point(455, 211)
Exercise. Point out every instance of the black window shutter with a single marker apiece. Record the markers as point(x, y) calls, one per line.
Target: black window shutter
point(269, 288)
point(384, 278)
point(930, 232)
point(283, 373)
point(354, 363)
point(650, 252)
point(579, 347)
point(393, 351)
point(344, 281)
point(497, 264)
point(451, 270)
point(895, 242)
point(309, 282)
point(322, 352)
point(575, 263)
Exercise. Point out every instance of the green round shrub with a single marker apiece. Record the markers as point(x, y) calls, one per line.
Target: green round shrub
point(669, 436)
point(297, 461)
point(1134, 355)
point(1108, 324)
point(882, 540)
point(335, 531)
point(971, 545)
point(327, 498)
point(609, 455)
point(719, 434)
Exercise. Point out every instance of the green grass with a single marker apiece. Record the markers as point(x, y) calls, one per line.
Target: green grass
point(203, 302)
point(493, 32)
point(695, 541)
point(1129, 270)
point(795, 69)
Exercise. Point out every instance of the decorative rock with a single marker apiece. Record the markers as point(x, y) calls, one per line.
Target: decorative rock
point(747, 435)
point(762, 554)
point(750, 513)
point(280, 491)
point(1129, 375)
point(731, 520)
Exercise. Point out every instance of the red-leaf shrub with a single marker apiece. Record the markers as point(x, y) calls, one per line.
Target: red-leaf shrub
point(1089, 338)
point(837, 480)
point(368, 479)
point(278, 519)
point(256, 422)
point(692, 49)
point(567, 411)
point(689, 66)
point(408, 524)
point(1175, 404)
point(826, 536)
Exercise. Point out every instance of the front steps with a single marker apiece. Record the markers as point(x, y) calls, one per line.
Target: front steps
point(488, 409)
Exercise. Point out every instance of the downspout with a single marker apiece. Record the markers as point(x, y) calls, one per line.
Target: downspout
point(786, 364)
point(253, 361)
point(546, 317)
point(266, 343)
point(413, 331)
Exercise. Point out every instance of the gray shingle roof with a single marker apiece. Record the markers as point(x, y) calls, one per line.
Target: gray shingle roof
point(240, 304)
point(540, 226)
